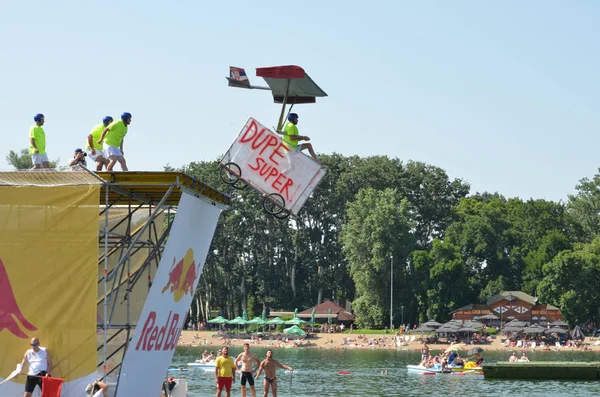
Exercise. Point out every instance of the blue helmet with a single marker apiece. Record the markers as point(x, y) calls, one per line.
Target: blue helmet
point(292, 116)
point(107, 120)
point(125, 116)
point(38, 117)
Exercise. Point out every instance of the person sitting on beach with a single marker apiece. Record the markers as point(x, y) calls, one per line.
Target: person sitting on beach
point(523, 358)
point(513, 358)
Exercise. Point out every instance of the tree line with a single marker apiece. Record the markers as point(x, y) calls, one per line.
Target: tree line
point(449, 247)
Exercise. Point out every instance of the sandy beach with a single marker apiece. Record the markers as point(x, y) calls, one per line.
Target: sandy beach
point(210, 340)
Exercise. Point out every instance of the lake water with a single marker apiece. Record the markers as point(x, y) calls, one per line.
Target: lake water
point(317, 375)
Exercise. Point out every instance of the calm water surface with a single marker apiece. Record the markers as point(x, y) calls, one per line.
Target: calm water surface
point(317, 375)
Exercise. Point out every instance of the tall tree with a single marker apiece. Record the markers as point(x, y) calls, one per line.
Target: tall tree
point(378, 227)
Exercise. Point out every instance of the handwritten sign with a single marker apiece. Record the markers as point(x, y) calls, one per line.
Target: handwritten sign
point(272, 166)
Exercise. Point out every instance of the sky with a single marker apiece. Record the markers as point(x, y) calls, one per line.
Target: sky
point(504, 95)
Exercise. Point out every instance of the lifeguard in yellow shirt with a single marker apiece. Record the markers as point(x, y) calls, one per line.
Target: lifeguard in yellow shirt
point(112, 137)
point(293, 138)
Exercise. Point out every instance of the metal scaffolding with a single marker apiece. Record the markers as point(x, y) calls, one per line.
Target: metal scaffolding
point(136, 213)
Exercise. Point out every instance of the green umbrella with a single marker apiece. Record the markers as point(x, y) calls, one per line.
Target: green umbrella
point(217, 320)
point(237, 321)
point(296, 321)
point(329, 318)
point(275, 321)
point(296, 313)
point(264, 315)
point(294, 330)
point(245, 315)
point(312, 316)
point(256, 320)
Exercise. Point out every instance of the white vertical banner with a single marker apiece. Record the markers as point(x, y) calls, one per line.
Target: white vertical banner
point(153, 344)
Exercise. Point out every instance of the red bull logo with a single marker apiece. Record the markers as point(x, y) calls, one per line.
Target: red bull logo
point(11, 317)
point(182, 276)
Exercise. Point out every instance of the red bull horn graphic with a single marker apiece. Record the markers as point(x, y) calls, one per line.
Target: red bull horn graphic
point(182, 276)
point(10, 313)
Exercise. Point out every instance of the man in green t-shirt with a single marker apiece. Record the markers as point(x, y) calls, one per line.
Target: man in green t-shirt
point(113, 137)
point(93, 149)
point(37, 143)
point(293, 138)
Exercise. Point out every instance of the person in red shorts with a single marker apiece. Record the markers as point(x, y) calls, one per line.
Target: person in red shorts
point(224, 372)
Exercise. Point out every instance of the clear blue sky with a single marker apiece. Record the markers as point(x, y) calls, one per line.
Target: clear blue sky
point(502, 94)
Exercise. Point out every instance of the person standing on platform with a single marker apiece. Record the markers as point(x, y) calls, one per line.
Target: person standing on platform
point(93, 148)
point(37, 143)
point(40, 364)
point(113, 137)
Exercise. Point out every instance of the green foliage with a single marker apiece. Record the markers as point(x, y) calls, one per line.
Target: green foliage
point(449, 249)
point(492, 331)
point(22, 160)
point(378, 228)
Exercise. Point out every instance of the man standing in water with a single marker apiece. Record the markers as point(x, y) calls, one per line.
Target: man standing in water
point(247, 358)
point(270, 367)
point(224, 372)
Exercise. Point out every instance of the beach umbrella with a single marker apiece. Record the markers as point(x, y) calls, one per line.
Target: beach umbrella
point(329, 313)
point(577, 333)
point(294, 330)
point(467, 329)
point(456, 347)
point(275, 321)
point(475, 350)
point(432, 323)
point(446, 330)
point(245, 315)
point(264, 315)
point(312, 316)
point(257, 321)
point(296, 313)
point(424, 328)
point(237, 321)
point(534, 330)
point(555, 330)
point(474, 324)
point(296, 321)
point(217, 320)
point(558, 323)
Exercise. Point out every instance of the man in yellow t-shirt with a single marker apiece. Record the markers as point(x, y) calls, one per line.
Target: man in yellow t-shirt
point(94, 149)
point(37, 143)
point(293, 138)
point(113, 145)
point(225, 372)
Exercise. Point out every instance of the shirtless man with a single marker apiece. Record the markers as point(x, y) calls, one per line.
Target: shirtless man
point(247, 358)
point(270, 367)
point(424, 352)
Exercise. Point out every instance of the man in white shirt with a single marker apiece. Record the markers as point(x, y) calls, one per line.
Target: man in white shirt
point(40, 364)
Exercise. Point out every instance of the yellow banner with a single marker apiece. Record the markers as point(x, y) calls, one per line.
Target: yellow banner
point(48, 276)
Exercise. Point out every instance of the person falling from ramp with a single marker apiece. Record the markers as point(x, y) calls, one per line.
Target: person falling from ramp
point(292, 137)
point(269, 365)
point(113, 145)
